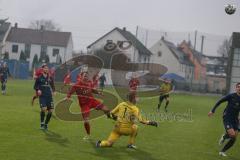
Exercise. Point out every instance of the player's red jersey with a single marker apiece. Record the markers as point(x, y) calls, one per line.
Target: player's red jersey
point(52, 73)
point(133, 84)
point(38, 73)
point(67, 79)
point(83, 91)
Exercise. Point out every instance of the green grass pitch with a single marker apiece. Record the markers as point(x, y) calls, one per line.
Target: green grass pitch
point(21, 138)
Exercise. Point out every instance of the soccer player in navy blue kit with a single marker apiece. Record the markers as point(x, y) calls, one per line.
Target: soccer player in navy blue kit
point(45, 88)
point(4, 73)
point(230, 118)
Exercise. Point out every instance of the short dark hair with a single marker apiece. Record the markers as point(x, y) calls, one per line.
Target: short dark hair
point(44, 65)
point(237, 84)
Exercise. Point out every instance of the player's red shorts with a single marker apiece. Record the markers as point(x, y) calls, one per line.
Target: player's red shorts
point(91, 104)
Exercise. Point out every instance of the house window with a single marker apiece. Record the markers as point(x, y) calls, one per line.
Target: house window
point(27, 50)
point(145, 59)
point(159, 53)
point(55, 52)
point(43, 50)
point(15, 48)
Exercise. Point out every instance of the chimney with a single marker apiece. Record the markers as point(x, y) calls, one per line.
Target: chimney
point(16, 25)
point(124, 28)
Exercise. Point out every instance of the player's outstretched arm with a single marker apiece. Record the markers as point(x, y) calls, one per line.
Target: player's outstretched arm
point(222, 100)
point(144, 121)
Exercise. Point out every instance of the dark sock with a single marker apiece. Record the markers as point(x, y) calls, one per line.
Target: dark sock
point(42, 116)
point(226, 136)
point(49, 115)
point(166, 105)
point(87, 127)
point(229, 144)
point(159, 105)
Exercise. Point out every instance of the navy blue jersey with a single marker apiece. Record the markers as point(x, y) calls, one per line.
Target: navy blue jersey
point(4, 72)
point(233, 106)
point(45, 84)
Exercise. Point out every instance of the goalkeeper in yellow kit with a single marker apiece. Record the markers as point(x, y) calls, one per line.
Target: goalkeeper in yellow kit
point(165, 88)
point(126, 114)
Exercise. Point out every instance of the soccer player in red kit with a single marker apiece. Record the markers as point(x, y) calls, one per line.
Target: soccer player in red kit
point(84, 90)
point(133, 85)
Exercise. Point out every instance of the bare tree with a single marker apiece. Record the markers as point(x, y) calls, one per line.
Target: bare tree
point(223, 49)
point(49, 25)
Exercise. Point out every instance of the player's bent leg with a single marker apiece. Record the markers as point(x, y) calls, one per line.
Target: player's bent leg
point(223, 138)
point(160, 102)
point(133, 136)
point(111, 139)
point(233, 135)
point(167, 102)
point(86, 125)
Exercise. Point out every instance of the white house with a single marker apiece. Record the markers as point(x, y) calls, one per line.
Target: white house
point(136, 53)
point(167, 54)
point(57, 45)
point(4, 31)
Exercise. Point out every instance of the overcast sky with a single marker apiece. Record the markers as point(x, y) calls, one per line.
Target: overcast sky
point(90, 19)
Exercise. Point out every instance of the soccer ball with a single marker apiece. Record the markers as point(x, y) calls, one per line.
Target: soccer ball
point(230, 9)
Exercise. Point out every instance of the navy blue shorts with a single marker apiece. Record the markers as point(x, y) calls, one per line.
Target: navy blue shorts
point(162, 97)
point(231, 124)
point(46, 102)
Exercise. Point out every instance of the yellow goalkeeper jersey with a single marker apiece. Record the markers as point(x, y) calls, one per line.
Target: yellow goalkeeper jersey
point(127, 114)
point(165, 88)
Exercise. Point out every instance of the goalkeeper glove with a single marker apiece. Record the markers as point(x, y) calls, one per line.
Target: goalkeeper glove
point(153, 123)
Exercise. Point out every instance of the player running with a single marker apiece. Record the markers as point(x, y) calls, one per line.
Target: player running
point(126, 114)
point(45, 89)
point(4, 73)
point(84, 90)
point(165, 89)
point(230, 118)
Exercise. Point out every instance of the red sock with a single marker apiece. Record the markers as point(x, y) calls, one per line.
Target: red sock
point(87, 127)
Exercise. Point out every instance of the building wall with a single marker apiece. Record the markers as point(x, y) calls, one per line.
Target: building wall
point(235, 76)
point(169, 60)
point(35, 49)
point(3, 43)
point(216, 84)
point(68, 51)
point(233, 69)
